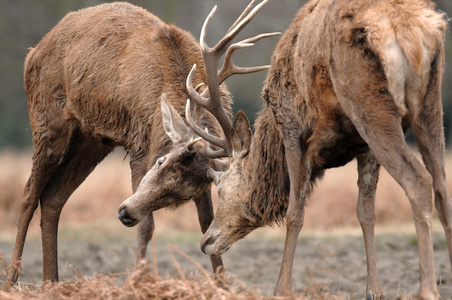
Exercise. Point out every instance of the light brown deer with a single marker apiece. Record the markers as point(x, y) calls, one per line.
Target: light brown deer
point(346, 80)
point(94, 83)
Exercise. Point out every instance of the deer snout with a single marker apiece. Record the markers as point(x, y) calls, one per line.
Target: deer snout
point(214, 244)
point(126, 218)
point(205, 243)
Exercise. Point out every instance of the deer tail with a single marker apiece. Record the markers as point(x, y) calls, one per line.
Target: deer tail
point(406, 37)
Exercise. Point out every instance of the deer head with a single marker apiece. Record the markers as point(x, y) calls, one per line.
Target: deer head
point(175, 177)
point(181, 174)
point(234, 219)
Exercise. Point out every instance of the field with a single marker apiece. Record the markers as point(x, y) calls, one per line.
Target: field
point(96, 252)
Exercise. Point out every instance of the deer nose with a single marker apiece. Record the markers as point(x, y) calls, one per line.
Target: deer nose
point(208, 240)
point(125, 218)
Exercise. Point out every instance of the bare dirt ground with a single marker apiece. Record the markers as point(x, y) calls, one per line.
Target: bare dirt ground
point(333, 262)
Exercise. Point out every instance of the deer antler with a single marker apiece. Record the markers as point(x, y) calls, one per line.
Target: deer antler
point(210, 97)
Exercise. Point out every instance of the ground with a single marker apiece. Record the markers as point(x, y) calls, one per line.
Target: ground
point(333, 261)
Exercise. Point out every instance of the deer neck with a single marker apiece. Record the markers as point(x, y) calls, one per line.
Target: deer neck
point(265, 172)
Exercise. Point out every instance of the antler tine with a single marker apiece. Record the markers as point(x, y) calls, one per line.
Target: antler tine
point(220, 142)
point(229, 68)
point(247, 15)
point(214, 153)
point(193, 92)
point(242, 15)
point(210, 99)
point(215, 108)
point(232, 32)
point(260, 37)
point(202, 36)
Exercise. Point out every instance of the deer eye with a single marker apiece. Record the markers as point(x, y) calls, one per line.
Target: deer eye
point(161, 160)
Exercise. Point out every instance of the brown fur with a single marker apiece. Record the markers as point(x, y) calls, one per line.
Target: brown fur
point(94, 83)
point(346, 79)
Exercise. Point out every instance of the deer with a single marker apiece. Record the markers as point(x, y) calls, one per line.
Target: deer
point(102, 78)
point(346, 80)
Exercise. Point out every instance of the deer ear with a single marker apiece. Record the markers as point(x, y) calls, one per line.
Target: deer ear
point(241, 135)
point(173, 123)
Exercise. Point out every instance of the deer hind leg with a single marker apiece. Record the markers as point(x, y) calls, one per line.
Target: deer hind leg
point(205, 216)
point(368, 170)
point(428, 129)
point(367, 101)
point(433, 155)
point(49, 145)
point(80, 158)
point(393, 153)
point(378, 123)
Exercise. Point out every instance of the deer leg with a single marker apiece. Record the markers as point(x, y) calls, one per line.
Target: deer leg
point(368, 169)
point(47, 154)
point(81, 157)
point(385, 138)
point(377, 118)
point(397, 158)
point(428, 129)
point(403, 166)
point(145, 232)
point(299, 189)
point(433, 157)
point(145, 229)
point(205, 216)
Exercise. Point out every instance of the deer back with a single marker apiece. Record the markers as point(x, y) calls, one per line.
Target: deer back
point(104, 68)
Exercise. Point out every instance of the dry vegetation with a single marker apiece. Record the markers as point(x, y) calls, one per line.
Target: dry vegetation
point(143, 283)
point(332, 206)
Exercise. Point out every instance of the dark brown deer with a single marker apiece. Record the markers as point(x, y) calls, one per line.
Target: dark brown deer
point(94, 83)
point(346, 80)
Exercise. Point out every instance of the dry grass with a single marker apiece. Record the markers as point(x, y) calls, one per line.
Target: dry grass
point(331, 206)
point(144, 282)
point(141, 283)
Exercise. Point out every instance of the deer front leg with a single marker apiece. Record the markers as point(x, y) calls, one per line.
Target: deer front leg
point(299, 188)
point(205, 217)
point(368, 170)
point(145, 232)
point(145, 229)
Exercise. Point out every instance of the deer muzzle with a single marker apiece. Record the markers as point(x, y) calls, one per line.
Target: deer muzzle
point(126, 218)
point(214, 245)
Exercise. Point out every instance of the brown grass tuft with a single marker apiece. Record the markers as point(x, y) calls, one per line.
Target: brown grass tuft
point(142, 283)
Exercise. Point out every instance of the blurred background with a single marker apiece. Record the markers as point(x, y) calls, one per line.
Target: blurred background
point(23, 23)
